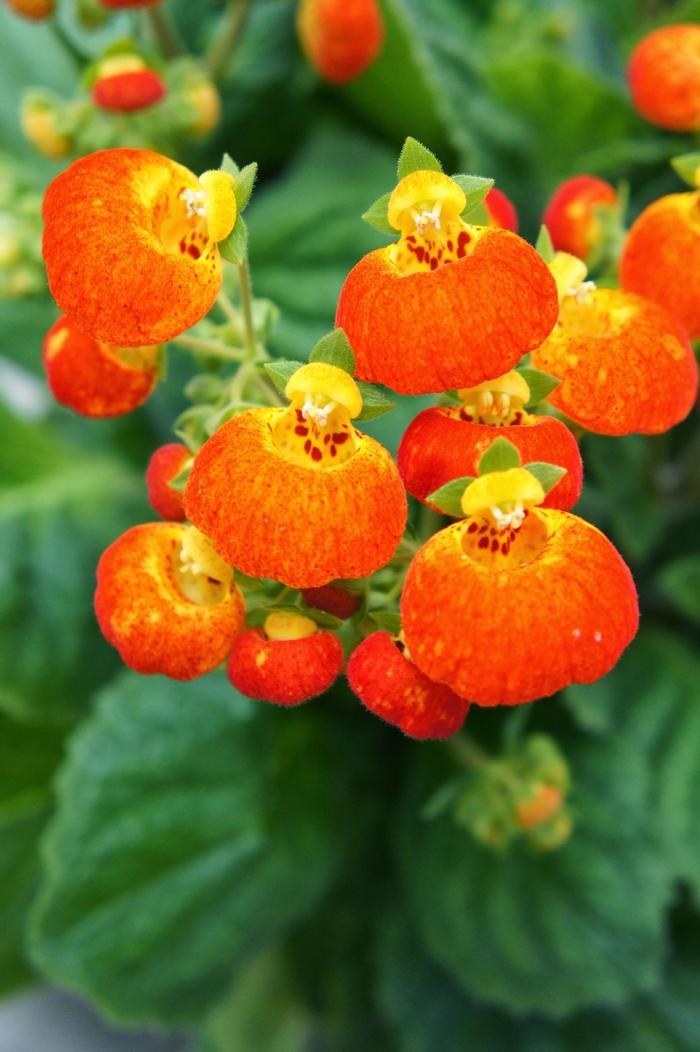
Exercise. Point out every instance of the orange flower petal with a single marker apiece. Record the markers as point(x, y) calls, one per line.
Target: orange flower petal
point(36, 10)
point(340, 38)
point(501, 210)
point(502, 636)
point(393, 688)
point(128, 92)
point(664, 77)
point(143, 613)
point(164, 465)
point(661, 257)
point(88, 377)
point(122, 258)
point(438, 447)
point(456, 326)
point(300, 525)
point(570, 214)
point(285, 671)
point(625, 365)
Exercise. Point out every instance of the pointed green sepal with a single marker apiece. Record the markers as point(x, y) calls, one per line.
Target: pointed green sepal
point(377, 215)
point(544, 245)
point(234, 248)
point(415, 157)
point(449, 497)
point(179, 481)
point(686, 165)
point(387, 620)
point(243, 184)
point(375, 401)
point(500, 456)
point(546, 474)
point(281, 371)
point(334, 349)
point(541, 384)
point(476, 188)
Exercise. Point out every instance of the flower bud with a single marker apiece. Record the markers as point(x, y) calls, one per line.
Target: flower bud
point(165, 463)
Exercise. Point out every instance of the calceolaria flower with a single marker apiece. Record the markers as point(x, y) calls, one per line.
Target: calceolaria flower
point(516, 601)
point(664, 77)
point(287, 661)
point(380, 672)
point(573, 214)
point(447, 442)
point(661, 257)
point(165, 463)
point(130, 244)
point(124, 84)
point(449, 304)
point(94, 378)
point(625, 365)
point(501, 210)
point(36, 10)
point(299, 494)
point(340, 38)
point(167, 602)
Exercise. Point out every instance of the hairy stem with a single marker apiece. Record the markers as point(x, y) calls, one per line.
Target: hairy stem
point(164, 32)
point(247, 307)
point(226, 38)
point(210, 347)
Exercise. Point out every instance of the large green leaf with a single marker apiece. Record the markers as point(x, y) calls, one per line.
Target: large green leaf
point(193, 827)
point(553, 932)
point(28, 756)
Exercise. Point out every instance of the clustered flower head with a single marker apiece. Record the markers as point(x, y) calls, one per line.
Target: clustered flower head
point(284, 551)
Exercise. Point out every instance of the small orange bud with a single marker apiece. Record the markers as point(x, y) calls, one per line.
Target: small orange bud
point(570, 216)
point(340, 38)
point(93, 378)
point(388, 683)
point(542, 804)
point(164, 465)
point(126, 90)
point(287, 662)
point(501, 210)
point(167, 602)
point(664, 77)
point(205, 102)
point(36, 10)
point(39, 121)
point(661, 257)
point(333, 600)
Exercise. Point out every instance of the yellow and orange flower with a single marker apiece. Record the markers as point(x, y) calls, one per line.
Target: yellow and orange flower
point(501, 210)
point(661, 257)
point(625, 365)
point(287, 661)
point(340, 38)
point(93, 378)
point(449, 304)
point(36, 10)
point(382, 675)
point(298, 494)
point(167, 602)
point(516, 601)
point(571, 214)
point(166, 462)
point(664, 77)
point(447, 442)
point(130, 244)
point(125, 84)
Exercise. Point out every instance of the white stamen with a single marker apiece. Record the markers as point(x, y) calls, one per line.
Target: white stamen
point(427, 218)
point(194, 199)
point(597, 636)
point(318, 413)
point(582, 293)
point(505, 519)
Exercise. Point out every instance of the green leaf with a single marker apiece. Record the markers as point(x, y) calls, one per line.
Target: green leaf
point(281, 372)
point(234, 248)
point(540, 383)
point(375, 401)
point(415, 157)
point(243, 184)
point(476, 188)
point(686, 166)
point(193, 826)
point(546, 474)
point(448, 498)
point(500, 456)
point(229, 165)
point(544, 245)
point(548, 933)
point(334, 349)
point(377, 215)
point(386, 620)
point(180, 480)
point(28, 757)
point(680, 583)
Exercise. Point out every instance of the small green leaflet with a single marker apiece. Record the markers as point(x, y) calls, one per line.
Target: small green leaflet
point(415, 157)
point(448, 498)
point(179, 481)
point(281, 371)
point(376, 215)
point(387, 620)
point(544, 245)
point(686, 166)
point(234, 248)
point(375, 401)
point(500, 456)
point(546, 474)
point(541, 384)
point(334, 349)
point(243, 179)
point(476, 188)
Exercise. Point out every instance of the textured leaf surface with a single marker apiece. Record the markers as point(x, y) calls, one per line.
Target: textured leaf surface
point(193, 826)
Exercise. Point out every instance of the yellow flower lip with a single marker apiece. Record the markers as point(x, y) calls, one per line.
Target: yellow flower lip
point(500, 492)
point(113, 65)
point(215, 200)
point(512, 384)
point(280, 626)
point(313, 383)
point(569, 272)
point(423, 199)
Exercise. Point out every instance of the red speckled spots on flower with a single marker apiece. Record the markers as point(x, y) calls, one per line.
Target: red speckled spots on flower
point(439, 446)
point(128, 92)
point(570, 216)
point(625, 365)
point(389, 684)
point(501, 210)
point(286, 671)
point(166, 462)
point(340, 38)
point(664, 77)
point(503, 632)
point(92, 378)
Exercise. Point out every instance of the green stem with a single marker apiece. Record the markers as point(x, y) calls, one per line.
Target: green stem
point(227, 308)
point(67, 44)
point(164, 32)
point(210, 347)
point(467, 752)
point(226, 38)
point(515, 724)
point(247, 306)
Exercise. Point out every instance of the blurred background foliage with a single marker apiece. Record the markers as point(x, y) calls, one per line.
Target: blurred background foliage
point(266, 879)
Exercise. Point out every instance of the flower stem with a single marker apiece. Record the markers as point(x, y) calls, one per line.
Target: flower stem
point(227, 308)
point(210, 347)
point(247, 306)
point(467, 752)
point(226, 39)
point(164, 32)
